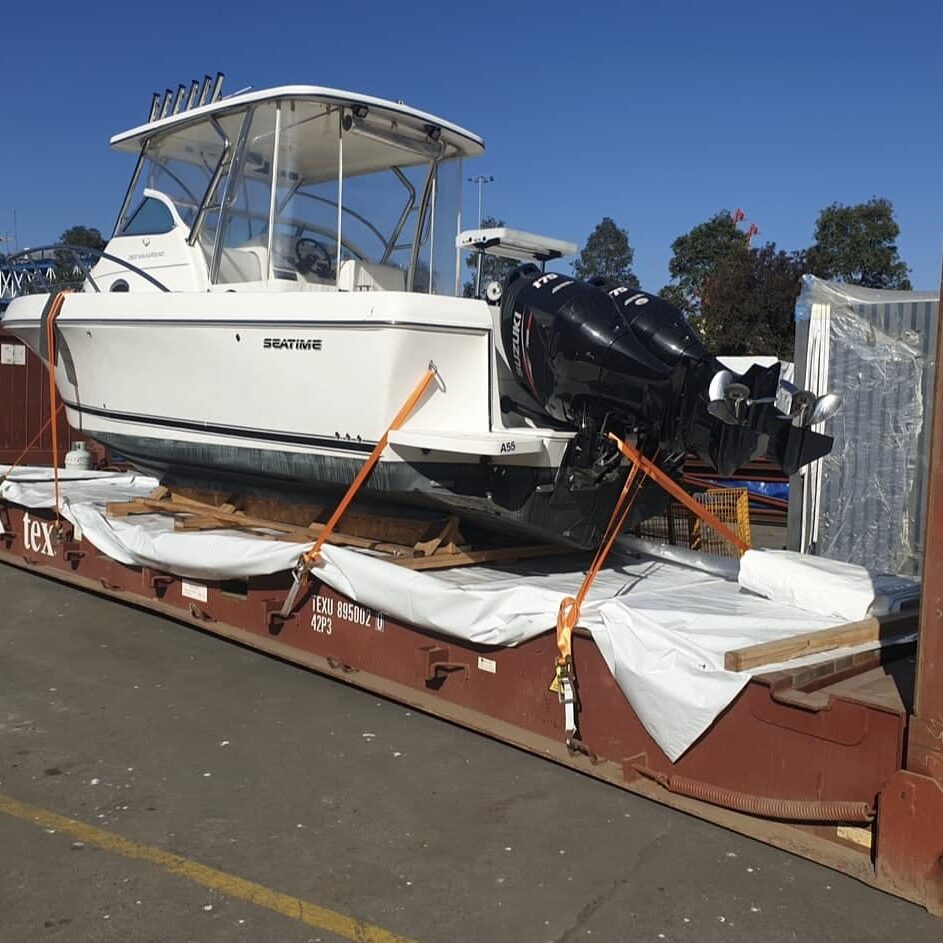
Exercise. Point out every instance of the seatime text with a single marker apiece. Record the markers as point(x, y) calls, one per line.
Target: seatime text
point(291, 343)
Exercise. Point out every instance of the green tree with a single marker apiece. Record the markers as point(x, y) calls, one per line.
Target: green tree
point(493, 267)
point(856, 244)
point(607, 254)
point(68, 271)
point(695, 256)
point(674, 295)
point(83, 236)
point(748, 303)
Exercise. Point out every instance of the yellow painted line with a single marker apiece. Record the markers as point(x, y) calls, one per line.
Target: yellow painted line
point(321, 918)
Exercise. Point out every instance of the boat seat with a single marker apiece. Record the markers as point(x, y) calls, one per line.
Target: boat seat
point(369, 276)
point(245, 264)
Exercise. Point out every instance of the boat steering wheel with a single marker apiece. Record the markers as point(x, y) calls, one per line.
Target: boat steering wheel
point(312, 258)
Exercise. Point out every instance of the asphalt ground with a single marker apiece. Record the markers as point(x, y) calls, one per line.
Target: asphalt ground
point(159, 784)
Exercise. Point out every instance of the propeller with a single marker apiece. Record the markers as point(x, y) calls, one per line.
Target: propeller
point(825, 407)
point(720, 409)
point(718, 386)
point(809, 410)
point(800, 411)
point(728, 398)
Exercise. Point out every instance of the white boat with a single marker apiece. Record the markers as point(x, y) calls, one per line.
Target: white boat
point(286, 264)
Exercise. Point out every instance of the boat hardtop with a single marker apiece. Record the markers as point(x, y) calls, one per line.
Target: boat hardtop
point(466, 142)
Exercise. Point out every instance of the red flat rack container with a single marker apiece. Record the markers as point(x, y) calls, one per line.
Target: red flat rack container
point(24, 405)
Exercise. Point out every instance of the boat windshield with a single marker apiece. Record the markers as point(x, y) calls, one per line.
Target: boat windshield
point(180, 165)
point(310, 193)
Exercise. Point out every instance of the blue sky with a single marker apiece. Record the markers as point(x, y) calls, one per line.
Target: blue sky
point(657, 114)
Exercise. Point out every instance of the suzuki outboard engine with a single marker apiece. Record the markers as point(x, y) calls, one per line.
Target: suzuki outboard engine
point(601, 357)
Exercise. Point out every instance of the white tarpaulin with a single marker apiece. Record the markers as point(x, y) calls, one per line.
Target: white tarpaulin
point(832, 587)
point(662, 627)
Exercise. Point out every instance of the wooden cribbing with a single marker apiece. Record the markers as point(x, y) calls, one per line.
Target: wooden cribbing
point(205, 517)
point(442, 561)
point(440, 544)
point(809, 643)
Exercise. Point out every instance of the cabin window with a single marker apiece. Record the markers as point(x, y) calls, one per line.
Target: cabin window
point(151, 218)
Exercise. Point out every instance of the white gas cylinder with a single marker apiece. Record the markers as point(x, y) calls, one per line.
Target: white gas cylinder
point(79, 458)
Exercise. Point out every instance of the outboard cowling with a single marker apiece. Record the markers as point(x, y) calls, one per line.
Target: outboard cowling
point(602, 358)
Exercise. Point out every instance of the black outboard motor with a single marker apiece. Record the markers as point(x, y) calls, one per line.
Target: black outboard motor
point(603, 358)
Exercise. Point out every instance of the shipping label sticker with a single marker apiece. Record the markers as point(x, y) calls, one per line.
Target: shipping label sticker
point(13, 355)
point(195, 591)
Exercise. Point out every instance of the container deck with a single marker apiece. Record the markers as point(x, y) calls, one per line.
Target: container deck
point(838, 731)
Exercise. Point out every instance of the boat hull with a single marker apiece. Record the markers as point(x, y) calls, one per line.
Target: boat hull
point(203, 389)
point(520, 501)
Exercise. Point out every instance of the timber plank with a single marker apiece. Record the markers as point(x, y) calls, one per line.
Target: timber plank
point(442, 561)
point(872, 629)
point(428, 545)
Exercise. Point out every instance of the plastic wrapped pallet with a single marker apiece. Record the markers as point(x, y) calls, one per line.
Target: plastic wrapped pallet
point(864, 502)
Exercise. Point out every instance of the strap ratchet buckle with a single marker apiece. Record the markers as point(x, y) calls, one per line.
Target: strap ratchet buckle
point(564, 683)
point(300, 575)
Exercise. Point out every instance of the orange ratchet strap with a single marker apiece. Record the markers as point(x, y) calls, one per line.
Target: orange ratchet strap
point(54, 416)
point(313, 556)
point(564, 682)
point(314, 553)
point(51, 354)
point(679, 494)
point(569, 612)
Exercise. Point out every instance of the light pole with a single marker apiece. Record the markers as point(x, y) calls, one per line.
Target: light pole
point(481, 180)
